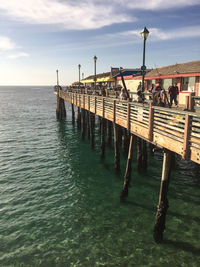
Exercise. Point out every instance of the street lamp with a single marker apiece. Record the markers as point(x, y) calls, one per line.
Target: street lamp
point(144, 35)
point(57, 77)
point(95, 74)
point(79, 75)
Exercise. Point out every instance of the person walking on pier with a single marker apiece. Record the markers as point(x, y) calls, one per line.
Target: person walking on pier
point(123, 95)
point(139, 86)
point(173, 92)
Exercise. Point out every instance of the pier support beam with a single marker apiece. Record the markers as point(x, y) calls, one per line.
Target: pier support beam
point(163, 202)
point(88, 124)
point(78, 119)
point(92, 126)
point(82, 123)
point(73, 114)
point(109, 133)
point(127, 176)
point(60, 107)
point(116, 148)
point(139, 154)
point(103, 144)
point(144, 155)
point(125, 142)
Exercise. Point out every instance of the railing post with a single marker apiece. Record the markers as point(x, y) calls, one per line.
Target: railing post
point(103, 106)
point(128, 116)
point(114, 111)
point(151, 120)
point(186, 147)
point(95, 105)
point(89, 103)
point(187, 102)
point(191, 103)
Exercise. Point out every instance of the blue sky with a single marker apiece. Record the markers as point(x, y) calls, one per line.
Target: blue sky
point(39, 36)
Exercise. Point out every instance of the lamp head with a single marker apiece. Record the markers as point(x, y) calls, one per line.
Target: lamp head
point(145, 33)
point(79, 66)
point(95, 58)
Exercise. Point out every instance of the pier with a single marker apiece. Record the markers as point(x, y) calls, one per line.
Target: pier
point(168, 129)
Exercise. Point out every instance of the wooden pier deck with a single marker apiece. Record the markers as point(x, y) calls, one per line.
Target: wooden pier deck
point(177, 131)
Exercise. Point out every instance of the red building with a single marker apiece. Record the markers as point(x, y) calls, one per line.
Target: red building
point(186, 75)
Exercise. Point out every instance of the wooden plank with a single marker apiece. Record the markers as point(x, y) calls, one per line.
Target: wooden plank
point(168, 143)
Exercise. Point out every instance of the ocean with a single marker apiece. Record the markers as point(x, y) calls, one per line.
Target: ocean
point(60, 203)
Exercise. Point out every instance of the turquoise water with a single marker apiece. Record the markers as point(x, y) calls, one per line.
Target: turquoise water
point(59, 203)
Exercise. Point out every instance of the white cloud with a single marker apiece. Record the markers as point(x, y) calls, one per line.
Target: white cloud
point(178, 33)
point(157, 4)
point(69, 14)
point(130, 37)
point(6, 44)
point(156, 34)
point(84, 14)
point(17, 55)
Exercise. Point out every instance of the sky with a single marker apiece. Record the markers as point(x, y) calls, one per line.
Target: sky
point(37, 37)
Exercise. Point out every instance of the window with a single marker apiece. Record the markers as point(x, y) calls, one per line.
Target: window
point(188, 84)
point(167, 83)
point(149, 83)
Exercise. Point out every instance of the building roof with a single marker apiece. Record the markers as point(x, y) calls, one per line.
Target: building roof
point(176, 70)
point(100, 75)
point(128, 72)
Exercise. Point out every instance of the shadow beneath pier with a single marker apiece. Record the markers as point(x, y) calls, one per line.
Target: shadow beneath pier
point(182, 245)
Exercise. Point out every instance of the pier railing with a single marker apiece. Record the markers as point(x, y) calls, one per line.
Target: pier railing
point(177, 131)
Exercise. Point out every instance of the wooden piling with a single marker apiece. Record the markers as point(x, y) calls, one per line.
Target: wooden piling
point(99, 123)
point(151, 149)
point(103, 144)
point(78, 120)
point(82, 123)
point(73, 114)
point(116, 147)
point(109, 133)
point(163, 202)
point(144, 155)
point(139, 154)
point(125, 142)
point(91, 125)
point(127, 177)
point(60, 106)
point(88, 124)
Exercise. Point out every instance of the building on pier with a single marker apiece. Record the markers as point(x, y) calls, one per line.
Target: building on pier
point(102, 79)
point(113, 78)
point(132, 77)
point(186, 75)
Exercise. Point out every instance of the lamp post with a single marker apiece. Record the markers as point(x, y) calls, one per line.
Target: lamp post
point(144, 35)
point(57, 77)
point(79, 74)
point(95, 74)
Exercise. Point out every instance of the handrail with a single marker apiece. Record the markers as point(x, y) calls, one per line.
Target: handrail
point(175, 130)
